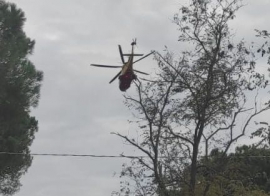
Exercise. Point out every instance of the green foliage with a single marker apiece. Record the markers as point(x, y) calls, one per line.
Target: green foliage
point(245, 172)
point(255, 164)
point(19, 91)
point(265, 47)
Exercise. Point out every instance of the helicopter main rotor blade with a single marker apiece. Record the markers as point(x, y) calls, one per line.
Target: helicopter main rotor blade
point(115, 77)
point(121, 54)
point(143, 57)
point(107, 66)
point(140, 72)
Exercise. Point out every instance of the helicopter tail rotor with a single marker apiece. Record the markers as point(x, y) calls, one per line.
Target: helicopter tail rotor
point(133, 42)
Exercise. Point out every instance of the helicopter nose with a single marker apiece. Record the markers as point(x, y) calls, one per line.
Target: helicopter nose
point(122, 88)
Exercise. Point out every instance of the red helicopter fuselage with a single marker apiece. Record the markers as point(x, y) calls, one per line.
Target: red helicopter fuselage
point(125, 80)
point(127, 73)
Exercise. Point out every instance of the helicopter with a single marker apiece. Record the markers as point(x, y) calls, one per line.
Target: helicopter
point(126, 75)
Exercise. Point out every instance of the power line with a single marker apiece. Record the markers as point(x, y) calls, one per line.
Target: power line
point(73, 155)
point(109, 156)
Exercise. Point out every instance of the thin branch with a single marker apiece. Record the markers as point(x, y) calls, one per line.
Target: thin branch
point(136, 145)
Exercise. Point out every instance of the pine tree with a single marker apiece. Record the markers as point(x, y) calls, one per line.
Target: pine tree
point(19, 91)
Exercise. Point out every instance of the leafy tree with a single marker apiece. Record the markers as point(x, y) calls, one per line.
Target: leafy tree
point(196, 103)
point(264, 49)
point(263, 133)
point(253, 166)
point(19, 91)
point(244, 172)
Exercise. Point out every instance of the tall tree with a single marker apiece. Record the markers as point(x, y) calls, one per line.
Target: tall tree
point(195, 104)
point(19, 91)
point(246, 172)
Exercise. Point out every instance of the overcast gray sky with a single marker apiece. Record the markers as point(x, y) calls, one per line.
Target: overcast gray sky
point(78, 107)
